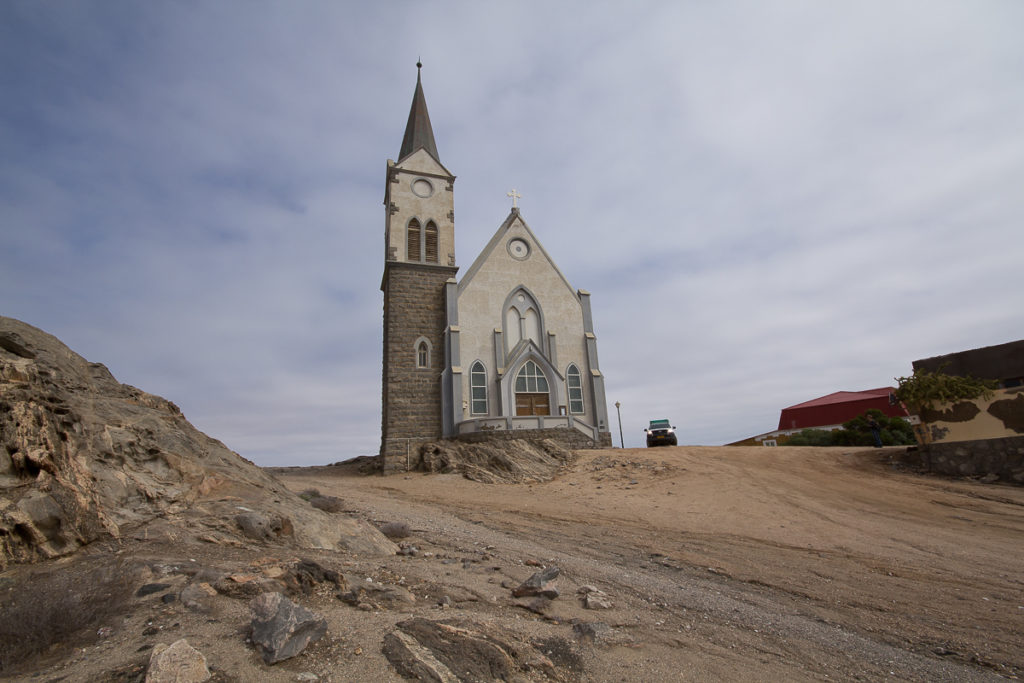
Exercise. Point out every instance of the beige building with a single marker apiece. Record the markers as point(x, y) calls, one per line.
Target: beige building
point(510, 346)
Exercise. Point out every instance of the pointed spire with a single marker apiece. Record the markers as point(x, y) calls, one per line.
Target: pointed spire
point(418, 133)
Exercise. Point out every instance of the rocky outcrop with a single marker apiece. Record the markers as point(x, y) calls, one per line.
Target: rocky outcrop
point(501, 461)
point(83, 457)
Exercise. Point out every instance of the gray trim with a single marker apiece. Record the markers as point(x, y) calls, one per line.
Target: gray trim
point(588, 318)
point(451, 294)
point(499, 370)
point(451, 394)
point(552, 349)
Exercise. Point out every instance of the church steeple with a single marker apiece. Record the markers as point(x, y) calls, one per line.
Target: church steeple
point(418, 133)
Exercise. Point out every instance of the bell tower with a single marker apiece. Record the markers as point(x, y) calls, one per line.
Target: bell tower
point(419, 259)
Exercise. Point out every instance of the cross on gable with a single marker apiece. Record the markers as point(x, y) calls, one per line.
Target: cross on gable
point(514, 195)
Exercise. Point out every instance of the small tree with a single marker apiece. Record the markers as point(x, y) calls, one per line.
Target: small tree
point(894, 431)
point(924, 389)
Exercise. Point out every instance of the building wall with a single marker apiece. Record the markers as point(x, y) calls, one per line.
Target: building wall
point(481, 308)
point(414, 307)
point(402, 204)
point(1000, 416)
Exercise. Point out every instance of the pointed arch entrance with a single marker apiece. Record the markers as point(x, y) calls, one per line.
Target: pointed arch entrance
point(533, 395)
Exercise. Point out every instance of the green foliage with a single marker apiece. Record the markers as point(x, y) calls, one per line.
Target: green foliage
point(811, 437)
point(925, 389)
point(894, 431)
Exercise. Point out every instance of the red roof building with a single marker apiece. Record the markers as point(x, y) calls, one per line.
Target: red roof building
point(835, 409)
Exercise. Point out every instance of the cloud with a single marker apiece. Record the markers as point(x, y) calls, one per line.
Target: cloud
point(768, 203)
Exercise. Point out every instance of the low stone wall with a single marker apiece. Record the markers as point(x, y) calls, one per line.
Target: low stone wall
point(997, 459)
point(567, 438)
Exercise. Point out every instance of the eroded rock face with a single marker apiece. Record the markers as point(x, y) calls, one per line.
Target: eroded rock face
point(83, 456)
point(508, 461)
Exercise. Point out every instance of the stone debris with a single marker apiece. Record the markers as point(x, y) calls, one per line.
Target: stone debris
point(539, 584)
point(281, 629)
point(198, 596)
point(594, 598)
point(370, 596)
point(178, 662)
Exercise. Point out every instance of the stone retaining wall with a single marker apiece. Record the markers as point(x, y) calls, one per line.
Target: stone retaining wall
point(997, 459)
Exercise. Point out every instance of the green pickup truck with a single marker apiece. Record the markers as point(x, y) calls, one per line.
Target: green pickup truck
point(661, 433)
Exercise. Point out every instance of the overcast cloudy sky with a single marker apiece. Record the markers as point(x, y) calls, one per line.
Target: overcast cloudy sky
point(769, 201)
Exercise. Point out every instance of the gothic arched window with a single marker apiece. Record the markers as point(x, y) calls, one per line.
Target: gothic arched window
point(477, 389)
point(430, 238)
point(574, 382)
point(523, 319)
point(422, 353)
point(531, 379)
point(413, 241)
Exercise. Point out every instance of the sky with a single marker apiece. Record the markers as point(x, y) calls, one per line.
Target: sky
point(768, 201)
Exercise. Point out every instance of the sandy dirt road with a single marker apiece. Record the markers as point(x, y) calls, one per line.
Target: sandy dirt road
point(748, 563)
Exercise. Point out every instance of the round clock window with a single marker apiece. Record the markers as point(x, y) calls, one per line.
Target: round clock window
point(422, 188)
point(518, 248)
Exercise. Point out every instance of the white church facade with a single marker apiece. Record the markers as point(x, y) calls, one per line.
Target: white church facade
point(507, 351)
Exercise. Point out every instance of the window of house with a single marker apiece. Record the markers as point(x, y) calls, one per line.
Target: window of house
point(531, 380)
point(430, 235)
point(574, 381)
point(478, 389)
point(413, 241)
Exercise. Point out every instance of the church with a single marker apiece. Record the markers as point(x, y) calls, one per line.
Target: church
point(507, 351)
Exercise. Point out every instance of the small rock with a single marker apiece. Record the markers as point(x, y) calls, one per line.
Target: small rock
point(281, 629)
point(396, 530)
point(592, 631)
point(151, 588)
point(196, 596)
point(596, 600)
point(538, 585)
point(177, 663)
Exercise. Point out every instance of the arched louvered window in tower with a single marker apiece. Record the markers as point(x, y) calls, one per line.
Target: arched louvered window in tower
point(413, 241)
point(574, 382)
point(478, 389)
point(430, 235)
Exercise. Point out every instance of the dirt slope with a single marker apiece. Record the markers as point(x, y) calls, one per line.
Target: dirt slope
point(735, 564)
point(746, 563)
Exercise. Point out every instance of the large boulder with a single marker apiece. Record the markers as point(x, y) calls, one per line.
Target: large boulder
point(83, 457)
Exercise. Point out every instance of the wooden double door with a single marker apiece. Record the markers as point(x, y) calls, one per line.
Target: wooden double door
point(533, 404)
